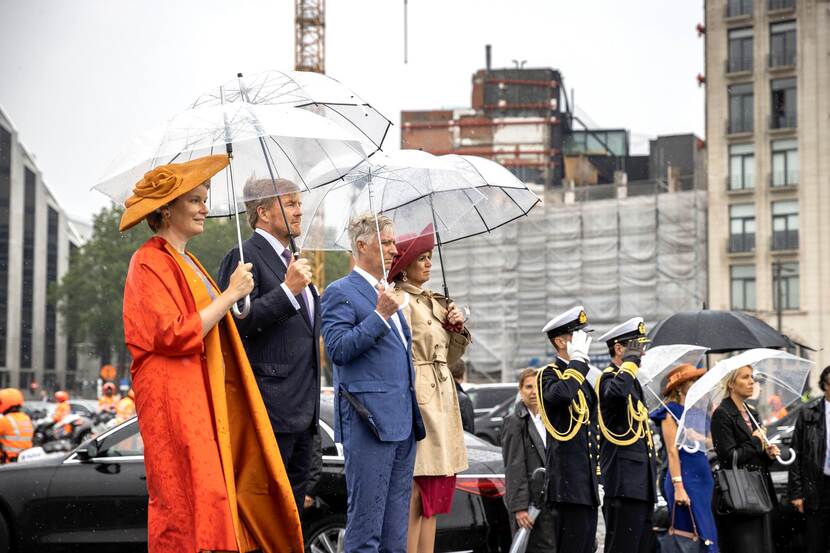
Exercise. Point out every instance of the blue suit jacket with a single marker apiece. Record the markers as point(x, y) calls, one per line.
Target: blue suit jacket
point(369, 359)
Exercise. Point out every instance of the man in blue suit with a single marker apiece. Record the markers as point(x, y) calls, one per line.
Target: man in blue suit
point(376, 415)
point(282, 331)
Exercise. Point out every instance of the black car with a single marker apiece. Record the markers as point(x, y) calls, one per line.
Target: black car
point(489, 425)
point(485, 397)
point(95, 499)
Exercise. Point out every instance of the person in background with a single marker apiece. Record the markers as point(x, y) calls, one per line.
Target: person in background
point(15, 426)
point(109, 399)
point(438, 338)
point(63, 408)
point(214, 475)
point(568, 409)
point(523, 445)
point(733, 431)
point(626, 449)
point(808, 485)
point(689, 484)
point(465, 404)
point(125, 408)
point(282, 332)
point(315, 471)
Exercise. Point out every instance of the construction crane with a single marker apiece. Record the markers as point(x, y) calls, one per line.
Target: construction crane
point(310, 55)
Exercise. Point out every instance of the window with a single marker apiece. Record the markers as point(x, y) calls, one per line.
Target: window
point(5, 189)
point(782, 45)
point(26, 314)
point(123, 444)
point(784, 162)
point(735, 8)
point(740, 50)
point(783, 104)
point(741, 166)
point(741, 228)
point(51, 336)
point(71, 341)
point(742, 278)
point(781, 4)
point(740, 108)
point(5, 379)
point(785, 225)
point(786, 276)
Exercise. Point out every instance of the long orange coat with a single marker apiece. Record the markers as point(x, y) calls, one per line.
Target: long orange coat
point(214, 474)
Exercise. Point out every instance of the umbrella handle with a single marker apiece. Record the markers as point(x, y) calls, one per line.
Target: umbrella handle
point(246, 308)
point(789, 461)
point(694, 449)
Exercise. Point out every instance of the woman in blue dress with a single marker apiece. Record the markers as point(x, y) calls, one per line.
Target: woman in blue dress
point(688, 485)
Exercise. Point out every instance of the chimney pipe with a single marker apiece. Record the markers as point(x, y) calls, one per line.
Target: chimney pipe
point(487, 56)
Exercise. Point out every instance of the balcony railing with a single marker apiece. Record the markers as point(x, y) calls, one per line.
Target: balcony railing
point(782, 179)
point(742, 243)
point(738, 64)
point(781, 60)
point(773, 5)
point(783, 121)
point(784, 240)
point(734, 184)
point(739, 126)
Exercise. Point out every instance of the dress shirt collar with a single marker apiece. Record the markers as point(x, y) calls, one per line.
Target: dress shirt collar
point(275, 243)
point(373, 282)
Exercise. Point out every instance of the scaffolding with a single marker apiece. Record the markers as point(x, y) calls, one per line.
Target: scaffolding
point(630, 255)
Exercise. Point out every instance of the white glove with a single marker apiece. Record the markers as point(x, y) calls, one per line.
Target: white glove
point(579, 345)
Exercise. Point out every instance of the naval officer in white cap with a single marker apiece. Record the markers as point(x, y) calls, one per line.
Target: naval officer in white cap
point(568, 408)
point(627, 452)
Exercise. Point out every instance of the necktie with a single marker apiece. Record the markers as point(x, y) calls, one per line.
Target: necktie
point(286, 254)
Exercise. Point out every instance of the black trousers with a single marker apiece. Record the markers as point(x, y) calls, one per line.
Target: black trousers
point(575, 527)
point(628, 525)
point(817, 523)
point(296, 449)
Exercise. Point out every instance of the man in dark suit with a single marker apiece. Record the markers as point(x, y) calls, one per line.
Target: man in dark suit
point(376, 415)
point(627, 450)
point(809, 479)
point(282, 331)
point(523, 444)
point(568, 408)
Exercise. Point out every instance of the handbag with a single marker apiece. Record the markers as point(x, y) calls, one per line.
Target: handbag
point(739, 491)
point(680, 541)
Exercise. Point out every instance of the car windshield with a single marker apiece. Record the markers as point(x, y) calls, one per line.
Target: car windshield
point(487, 398)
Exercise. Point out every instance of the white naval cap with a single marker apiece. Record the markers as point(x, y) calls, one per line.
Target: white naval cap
point(571, 320)
point(632, 328)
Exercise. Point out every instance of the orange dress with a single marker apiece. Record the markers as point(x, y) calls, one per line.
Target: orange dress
point(214, 474)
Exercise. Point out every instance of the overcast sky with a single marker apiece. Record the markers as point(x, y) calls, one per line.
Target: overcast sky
point(80, 78)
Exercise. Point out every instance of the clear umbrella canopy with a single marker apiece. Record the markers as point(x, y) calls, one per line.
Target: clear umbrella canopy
point(779, 381)
point(267, 142)
point(413, 190)
point(310, 91)
point(658, 362)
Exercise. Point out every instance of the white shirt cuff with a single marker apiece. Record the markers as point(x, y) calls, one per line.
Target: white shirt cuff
point(382, 319)
point(291, 297)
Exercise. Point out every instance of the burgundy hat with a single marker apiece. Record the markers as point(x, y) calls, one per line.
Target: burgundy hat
point(409, 247)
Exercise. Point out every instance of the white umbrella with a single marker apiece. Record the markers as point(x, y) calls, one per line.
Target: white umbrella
point(776, 373)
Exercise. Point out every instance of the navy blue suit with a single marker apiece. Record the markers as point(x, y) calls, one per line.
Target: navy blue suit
point(281, 344)
point(372, 363)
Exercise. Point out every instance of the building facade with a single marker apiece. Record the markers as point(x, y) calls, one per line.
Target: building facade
point(768, 145)
point(36, 242)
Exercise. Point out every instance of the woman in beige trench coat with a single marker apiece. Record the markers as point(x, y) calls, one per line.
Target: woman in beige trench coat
point(438, 340)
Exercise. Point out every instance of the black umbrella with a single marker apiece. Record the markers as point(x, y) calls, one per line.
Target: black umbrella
point(720, 331)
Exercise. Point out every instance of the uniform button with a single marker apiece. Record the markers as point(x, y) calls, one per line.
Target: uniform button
point(433, 384)
point(429, 322)
point(418, 300)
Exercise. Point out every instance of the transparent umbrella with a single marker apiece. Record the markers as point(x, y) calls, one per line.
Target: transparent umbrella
point(656, 364)
point(779, 380)
point(263, 142)
point(315, 92)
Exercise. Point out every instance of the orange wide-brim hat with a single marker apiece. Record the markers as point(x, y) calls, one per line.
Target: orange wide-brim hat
point(165, 183)
point(679, 375)
point(409, 248)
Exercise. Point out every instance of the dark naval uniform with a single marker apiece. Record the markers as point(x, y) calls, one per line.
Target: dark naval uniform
point(626, 460)
point(568, 405)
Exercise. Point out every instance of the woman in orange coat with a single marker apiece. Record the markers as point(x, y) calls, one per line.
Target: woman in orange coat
point(214, 474)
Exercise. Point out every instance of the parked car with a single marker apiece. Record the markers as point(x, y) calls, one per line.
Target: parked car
point(487, 396)
point(489, 426)
point(40, 409)
point(95, 498)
